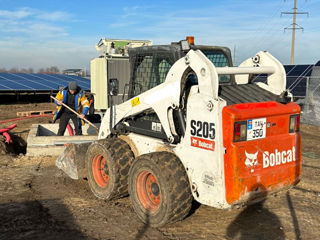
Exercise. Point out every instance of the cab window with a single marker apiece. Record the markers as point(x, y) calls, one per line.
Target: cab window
point(219, 60)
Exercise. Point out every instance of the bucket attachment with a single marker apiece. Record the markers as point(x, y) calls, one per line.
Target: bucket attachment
point(66, 161)
point(72, 160)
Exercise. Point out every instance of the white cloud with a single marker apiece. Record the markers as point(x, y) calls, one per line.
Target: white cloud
point(28, 23)
point(35, 14)
point(35, 38)
point(45, 30)
point(63, 54)
point(54, 16)
point(19, 14)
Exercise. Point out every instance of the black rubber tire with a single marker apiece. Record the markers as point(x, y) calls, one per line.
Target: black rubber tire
point(176, 197)
point(118, 157)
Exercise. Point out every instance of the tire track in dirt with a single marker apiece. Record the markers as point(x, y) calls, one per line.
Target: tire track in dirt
point(96, 218)
point(22, 215)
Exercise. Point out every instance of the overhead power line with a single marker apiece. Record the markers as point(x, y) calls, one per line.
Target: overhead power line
point(293, 27)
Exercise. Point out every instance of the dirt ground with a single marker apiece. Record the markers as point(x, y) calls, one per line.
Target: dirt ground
point(37, 201)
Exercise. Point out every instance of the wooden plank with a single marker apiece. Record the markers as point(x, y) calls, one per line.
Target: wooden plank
point(32, 113)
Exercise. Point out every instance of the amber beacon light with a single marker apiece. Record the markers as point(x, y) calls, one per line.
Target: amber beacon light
point(190, 40)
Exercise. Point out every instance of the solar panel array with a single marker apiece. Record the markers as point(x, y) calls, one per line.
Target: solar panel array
point(296, 78)
point(298, 70)
point(19, 82)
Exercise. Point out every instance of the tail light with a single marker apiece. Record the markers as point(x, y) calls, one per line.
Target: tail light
point(294, 124)
point(240, 131)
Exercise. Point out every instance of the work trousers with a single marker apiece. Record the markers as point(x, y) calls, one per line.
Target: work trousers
point(64, 120)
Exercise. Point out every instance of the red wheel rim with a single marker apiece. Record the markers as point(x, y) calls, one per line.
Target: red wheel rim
point(148, 190)
point(100, 171)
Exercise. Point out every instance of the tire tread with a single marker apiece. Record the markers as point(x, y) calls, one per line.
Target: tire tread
point(175, 175)
point(122, 157)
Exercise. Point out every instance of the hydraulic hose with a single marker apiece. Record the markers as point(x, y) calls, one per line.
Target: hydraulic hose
point(7, 136)
point(22, 118)
point(4, 132)
point(70, 130)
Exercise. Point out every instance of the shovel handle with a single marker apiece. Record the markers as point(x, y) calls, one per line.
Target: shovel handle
point(90, 123)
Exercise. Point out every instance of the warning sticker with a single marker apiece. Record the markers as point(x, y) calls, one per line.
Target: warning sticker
point(208, 178)
point(202, 143)
point(156, 127)
point(135, 102)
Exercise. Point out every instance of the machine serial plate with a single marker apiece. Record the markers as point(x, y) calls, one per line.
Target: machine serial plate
point(256, 128)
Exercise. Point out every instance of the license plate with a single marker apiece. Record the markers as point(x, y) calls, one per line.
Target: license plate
point(256, 128)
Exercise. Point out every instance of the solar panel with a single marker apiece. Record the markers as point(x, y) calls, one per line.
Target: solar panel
point(39, 82)
point(298, 70)
point(296, 78)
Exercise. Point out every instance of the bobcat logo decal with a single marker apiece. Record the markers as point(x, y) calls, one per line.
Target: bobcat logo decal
point(251, 159)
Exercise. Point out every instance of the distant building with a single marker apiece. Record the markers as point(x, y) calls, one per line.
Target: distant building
point(74, 72)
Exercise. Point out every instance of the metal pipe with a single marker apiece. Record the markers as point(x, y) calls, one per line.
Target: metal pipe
point(245, 70)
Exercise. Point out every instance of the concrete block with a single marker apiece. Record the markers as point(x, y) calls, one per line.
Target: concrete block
point(43, 140)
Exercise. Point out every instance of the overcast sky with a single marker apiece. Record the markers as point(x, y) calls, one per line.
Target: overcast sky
point(42, 33)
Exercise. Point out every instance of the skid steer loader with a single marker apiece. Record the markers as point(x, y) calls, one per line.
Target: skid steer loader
point(193, 127)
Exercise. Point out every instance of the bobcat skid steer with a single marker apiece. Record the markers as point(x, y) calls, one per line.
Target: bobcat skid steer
point(193, 127)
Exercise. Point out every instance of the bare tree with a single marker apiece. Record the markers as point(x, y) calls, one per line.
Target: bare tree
point(48, 70)
point(54, 69)
point(41, 70)
point(17, 70)
point(13, 70)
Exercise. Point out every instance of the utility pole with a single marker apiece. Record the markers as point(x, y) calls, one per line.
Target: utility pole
point(294, 27)
point(293, 31)
point(234, 55)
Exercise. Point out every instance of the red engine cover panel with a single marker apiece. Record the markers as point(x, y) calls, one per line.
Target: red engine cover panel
point(262, 165)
